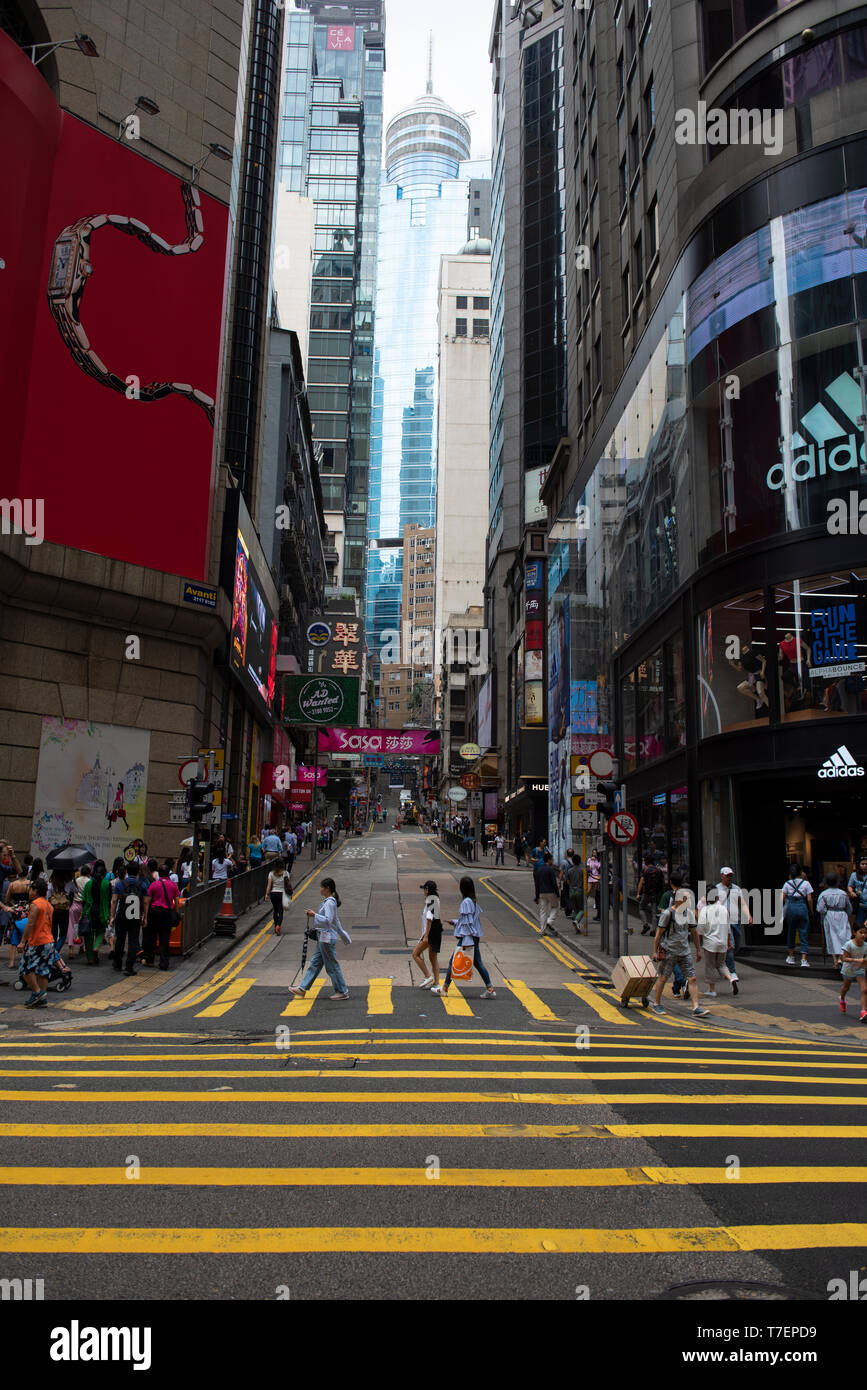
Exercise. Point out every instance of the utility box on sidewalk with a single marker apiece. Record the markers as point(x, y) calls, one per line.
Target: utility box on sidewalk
point(633, 977)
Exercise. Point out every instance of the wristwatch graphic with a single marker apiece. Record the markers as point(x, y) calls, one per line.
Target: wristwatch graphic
point(70, 270)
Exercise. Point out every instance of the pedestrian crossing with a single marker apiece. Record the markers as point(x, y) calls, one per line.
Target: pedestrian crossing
point(623, 1147)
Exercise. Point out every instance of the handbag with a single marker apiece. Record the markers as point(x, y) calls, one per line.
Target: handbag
point(462, 964)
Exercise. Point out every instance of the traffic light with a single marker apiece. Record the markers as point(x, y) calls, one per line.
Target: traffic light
point(201, 799)
point(606, 804)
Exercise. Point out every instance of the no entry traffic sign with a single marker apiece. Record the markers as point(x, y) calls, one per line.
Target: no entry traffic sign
point(622, 828)
point(601, 763)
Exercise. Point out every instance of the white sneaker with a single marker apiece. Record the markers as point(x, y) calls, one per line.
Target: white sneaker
point(805, 964)
point(790, 960)
point(426, 984)
point(732, 978)
point(437, 989)
point(710, 994)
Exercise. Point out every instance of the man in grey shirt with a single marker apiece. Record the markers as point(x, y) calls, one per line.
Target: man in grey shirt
point(671, 944)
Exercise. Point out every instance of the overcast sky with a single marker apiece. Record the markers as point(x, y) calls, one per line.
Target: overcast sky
point(462, 73)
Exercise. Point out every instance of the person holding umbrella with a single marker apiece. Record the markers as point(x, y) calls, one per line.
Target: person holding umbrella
point(326, 927)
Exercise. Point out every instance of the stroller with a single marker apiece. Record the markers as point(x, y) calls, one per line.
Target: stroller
point(59, 979)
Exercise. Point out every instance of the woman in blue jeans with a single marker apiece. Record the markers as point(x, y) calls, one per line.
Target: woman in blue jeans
point(326, 925)
point(468, 931)
point(797, 907)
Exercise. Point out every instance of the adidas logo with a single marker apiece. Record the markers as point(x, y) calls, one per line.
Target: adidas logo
point(813, 459)
point(841, 764)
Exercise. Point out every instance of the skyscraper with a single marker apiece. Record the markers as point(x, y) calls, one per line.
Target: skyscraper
point(423, 213)
point(331, 152)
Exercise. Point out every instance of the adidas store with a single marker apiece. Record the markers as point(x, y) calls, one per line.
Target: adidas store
point(722, 573)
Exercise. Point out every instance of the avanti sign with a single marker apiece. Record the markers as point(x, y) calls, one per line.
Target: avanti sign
point(805, 460)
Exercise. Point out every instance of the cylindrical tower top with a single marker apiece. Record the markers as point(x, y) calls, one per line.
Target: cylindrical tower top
point(425, 143)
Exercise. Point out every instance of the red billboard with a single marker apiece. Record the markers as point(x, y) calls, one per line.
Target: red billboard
point(117, 286)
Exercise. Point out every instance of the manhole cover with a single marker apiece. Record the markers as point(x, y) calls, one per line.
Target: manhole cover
point(737, 1291)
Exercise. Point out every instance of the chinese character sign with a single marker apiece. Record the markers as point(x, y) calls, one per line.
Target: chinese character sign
point(344, 654)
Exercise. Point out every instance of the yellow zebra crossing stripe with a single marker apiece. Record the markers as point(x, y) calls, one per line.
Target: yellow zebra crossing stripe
point(599, 1005)
point(379, 999)
point(535, 1007)
point(215, 1130)
point(228, 999)
point(418, 1177)
point(300, 1008)
point(263, 1097)
point(425, 1240)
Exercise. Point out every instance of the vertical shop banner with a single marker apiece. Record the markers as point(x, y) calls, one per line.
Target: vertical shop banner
point(91, 786)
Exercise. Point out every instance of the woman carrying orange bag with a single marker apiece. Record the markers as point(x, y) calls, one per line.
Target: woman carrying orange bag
point(468, 931)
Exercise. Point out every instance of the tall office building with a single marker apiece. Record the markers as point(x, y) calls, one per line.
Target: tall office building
point(425, 211)
point(528, 381)
point(703, 579)
point(331, 154)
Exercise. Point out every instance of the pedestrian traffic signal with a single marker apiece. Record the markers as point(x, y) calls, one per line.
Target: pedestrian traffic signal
point(606, 803)
point(201, 799)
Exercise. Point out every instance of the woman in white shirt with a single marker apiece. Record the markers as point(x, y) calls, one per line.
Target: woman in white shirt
point(326, 928)
point(221, 868)
point(279, 890)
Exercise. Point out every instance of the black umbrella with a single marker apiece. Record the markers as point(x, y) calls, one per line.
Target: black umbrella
point(70, 857)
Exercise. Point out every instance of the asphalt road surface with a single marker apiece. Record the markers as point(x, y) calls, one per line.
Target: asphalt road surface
point(545, 1144)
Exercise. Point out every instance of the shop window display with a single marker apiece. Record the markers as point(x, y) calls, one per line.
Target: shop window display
point(732, 664)
point(650, 714)
point(821, 628)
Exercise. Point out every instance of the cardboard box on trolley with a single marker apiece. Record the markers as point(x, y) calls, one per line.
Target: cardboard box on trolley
point(633, 977)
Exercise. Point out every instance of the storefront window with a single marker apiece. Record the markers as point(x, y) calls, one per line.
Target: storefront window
point(675, 696)
point(679, 807)
point(627, 708)
point(716, 828)
point(732, 663)
point(650, 714)
point(821, 627)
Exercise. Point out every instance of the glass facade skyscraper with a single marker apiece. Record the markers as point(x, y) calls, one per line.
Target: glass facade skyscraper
point(332, 152)
point(423, 213)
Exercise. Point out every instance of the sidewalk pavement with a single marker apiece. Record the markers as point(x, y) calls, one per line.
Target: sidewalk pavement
point(97, 990)
point(795, 1002)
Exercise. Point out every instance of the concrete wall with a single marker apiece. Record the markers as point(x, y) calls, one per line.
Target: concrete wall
point(463, 443)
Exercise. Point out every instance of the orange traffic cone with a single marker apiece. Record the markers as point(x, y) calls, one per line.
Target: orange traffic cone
point(224, 922)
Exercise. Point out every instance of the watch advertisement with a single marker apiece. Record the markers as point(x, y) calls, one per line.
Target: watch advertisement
point(108, 415)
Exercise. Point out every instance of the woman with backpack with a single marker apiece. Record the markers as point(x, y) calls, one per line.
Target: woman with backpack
point(95, 910)
point(468, 932)
point(326, 928)
point(797, 907)
point(279, 890)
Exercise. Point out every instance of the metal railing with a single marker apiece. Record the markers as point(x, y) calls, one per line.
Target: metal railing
point(460, 843)
point(201, 909)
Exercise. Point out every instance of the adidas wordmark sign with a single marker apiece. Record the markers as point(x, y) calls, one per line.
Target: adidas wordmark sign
point(841, 764)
